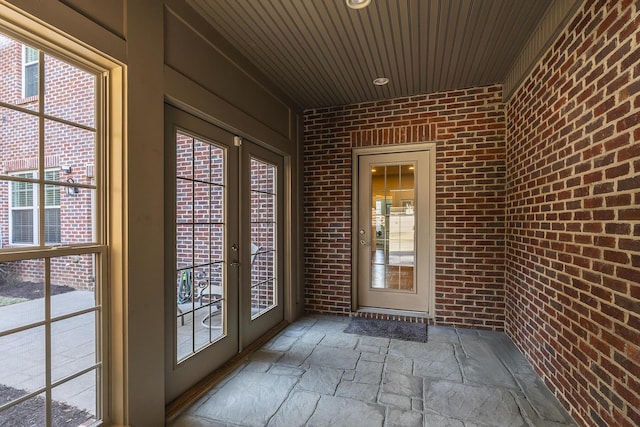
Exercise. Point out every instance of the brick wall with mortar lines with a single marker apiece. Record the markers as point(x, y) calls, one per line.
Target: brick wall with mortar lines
point(573, 209)
point(469, 129)
point(263, 233)
point(200, 193)
point(69, 94)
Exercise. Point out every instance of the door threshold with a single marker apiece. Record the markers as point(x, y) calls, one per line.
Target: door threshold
point(391, 314)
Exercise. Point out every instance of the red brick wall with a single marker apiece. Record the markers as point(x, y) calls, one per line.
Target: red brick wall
point(573, 209)
point(69, 95)
point(263, 233)
point(200, 221)
point(469, 128)
point(199, 209)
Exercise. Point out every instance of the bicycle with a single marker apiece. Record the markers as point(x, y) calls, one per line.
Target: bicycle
point(186, 292)
point(209, 295)
point(185, 288)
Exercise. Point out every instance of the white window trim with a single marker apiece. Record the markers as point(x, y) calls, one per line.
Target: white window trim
point(24, 66)
point(109, 200)
point(34, 208)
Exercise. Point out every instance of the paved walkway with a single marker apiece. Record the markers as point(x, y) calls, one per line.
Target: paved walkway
point(313, 374)
point(73, 347)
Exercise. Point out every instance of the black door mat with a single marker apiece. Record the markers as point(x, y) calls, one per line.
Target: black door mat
point(388, 329)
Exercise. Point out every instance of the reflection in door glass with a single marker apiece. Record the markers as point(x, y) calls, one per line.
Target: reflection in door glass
point(393, 227)
point(200, 198)
point(263, 237)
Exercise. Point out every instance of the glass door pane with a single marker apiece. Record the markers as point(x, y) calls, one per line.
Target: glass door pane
point(262, 243)
point(263, 237)
point(201, 229)
point(200, 240)
point(393, 227)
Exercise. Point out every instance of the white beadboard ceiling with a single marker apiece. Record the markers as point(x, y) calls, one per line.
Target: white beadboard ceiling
point(321, 53)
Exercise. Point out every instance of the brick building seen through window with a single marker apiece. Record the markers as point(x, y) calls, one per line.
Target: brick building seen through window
point(68, 135)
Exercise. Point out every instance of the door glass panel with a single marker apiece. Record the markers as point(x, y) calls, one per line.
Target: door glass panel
point(200, 238)
point(263, 237)
point(184, 247)
point(211, 304)
point(393, 227)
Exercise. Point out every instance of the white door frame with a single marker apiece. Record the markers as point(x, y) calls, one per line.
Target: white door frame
point(240, 332)
point(431, 229)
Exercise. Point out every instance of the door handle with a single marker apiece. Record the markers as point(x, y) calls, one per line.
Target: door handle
point(363, 243)
point(235, 264)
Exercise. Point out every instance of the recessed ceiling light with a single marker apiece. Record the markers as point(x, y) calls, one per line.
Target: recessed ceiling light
point(381, 81)
point(358, 4)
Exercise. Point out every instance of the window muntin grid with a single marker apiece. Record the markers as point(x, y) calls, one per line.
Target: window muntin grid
point(37, 180)
point(200, 232)
point(264, 202)
point(24, 213)
point(30, 72)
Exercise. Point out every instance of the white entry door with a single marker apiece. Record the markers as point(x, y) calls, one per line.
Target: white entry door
point(394, 230)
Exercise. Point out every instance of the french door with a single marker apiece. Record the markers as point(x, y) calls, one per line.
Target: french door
point(224, 221)
point(262, 202)
point(394, 229)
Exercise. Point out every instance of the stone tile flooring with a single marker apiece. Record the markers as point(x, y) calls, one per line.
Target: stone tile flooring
point(313, 374)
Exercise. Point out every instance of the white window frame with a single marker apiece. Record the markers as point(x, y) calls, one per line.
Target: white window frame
point(102, 68)
point(26, 64)
point(34, 208)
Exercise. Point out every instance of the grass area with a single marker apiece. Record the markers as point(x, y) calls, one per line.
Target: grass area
point(10, 300)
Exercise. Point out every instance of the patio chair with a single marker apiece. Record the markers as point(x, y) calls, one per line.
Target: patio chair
point(185, 292)
point(212, 294)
